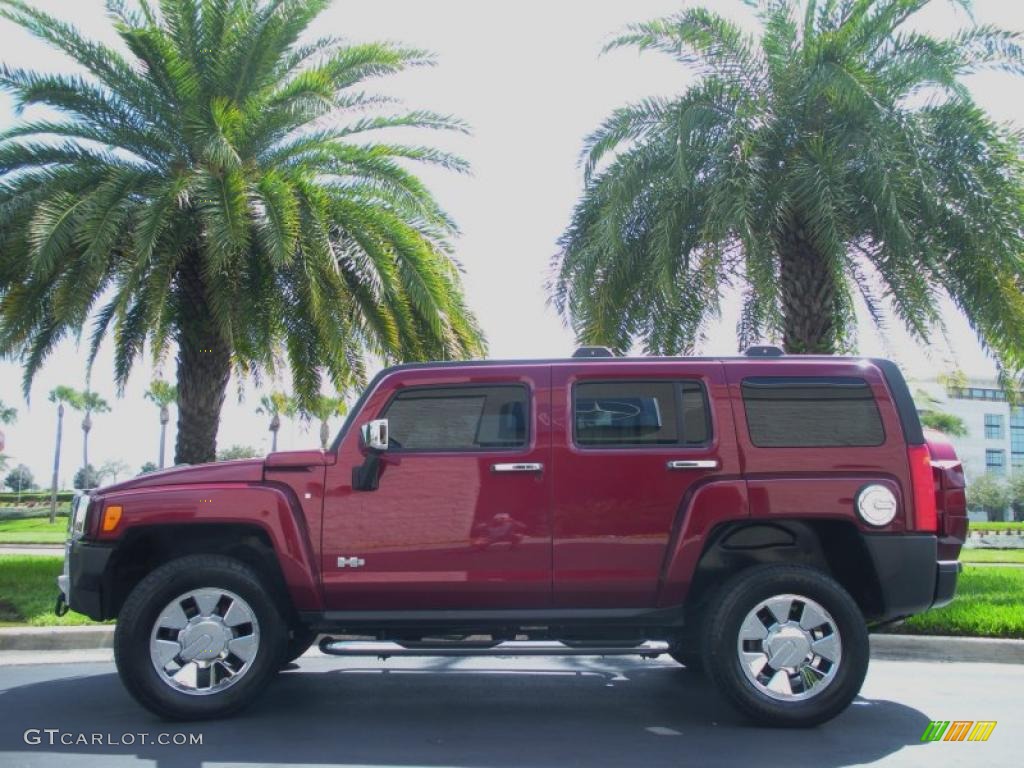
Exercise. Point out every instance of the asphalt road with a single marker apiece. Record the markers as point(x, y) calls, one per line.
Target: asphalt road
point(499, 713)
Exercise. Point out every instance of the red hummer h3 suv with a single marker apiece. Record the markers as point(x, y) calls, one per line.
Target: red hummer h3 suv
point(750, 517)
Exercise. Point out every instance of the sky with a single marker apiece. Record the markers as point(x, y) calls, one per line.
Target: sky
point(529, 79)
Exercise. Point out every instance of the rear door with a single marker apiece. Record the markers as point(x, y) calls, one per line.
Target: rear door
point(460, 519)
point(631, 440)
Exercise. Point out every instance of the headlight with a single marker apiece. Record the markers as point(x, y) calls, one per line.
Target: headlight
point(79, 513)
point(876, 504)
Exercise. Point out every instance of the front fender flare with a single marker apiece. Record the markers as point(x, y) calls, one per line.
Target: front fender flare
point(265, 507)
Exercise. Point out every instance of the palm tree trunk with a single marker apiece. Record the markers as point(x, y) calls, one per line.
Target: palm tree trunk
point(204, 367)
point(56, 464)
point(808, 292)
point(325, 435)
point(86, 426)
point(163, 434)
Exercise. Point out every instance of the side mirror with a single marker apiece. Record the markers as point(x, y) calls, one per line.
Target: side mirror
point(375, 435)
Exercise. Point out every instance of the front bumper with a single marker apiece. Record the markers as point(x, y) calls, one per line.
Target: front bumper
point(84, 584)
point(911, 578)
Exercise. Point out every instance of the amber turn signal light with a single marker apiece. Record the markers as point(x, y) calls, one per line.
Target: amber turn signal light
point(111, 517)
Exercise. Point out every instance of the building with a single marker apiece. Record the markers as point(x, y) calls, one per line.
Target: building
point(995, 429)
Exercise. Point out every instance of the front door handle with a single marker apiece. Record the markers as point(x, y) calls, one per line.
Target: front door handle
point(518, 467)
point(693, 464)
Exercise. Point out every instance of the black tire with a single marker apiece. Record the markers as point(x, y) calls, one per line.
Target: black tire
point(300, 640)
point(685, 650)
point(142, 609)
point(689, 659)
point(721, 631)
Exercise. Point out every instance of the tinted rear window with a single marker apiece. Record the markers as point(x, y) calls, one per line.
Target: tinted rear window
point(636, 413)
point(811, 412)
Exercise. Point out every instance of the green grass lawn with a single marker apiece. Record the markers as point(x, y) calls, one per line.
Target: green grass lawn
point(989, 602)
point(992, 555)
point(33, 530)
point(28, 591)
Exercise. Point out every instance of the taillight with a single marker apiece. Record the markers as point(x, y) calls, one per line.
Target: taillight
point(923, 483)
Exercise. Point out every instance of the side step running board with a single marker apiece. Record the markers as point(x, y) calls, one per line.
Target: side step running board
point(384, 649)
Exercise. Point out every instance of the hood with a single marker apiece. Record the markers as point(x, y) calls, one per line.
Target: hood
point(239, 471)
point(309, 458)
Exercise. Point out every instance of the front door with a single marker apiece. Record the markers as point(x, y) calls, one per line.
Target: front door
point(460, 518)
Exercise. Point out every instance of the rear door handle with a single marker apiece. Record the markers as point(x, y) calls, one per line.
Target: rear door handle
point(518, 467)
point(693, 464)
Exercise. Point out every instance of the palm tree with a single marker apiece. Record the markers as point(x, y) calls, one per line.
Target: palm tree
point(112, 469)
point(216, 182)
point(837, 152)
point(162, 393)
point(8, 415)
point(90, 403)
point(275, 404)
point(62, 396)
point(324, 408)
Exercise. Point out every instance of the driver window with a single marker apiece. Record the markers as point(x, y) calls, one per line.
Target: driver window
point(465, 418)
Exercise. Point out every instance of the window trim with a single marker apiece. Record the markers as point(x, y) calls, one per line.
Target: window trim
point(1001, 466)
point(677, 395)
point(994, 426)
point(836, 381)
point(525, 447)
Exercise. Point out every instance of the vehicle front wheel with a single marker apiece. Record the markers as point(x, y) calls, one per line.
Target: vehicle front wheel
point(198, 638)
point(787, 645)
point(300, 640)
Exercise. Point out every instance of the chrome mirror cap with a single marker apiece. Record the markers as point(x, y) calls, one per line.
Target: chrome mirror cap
point(375, 435)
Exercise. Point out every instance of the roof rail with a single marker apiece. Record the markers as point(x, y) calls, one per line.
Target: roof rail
point(593, 352)
point(763, 350)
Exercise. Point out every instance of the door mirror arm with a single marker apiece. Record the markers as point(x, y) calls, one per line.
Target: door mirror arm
point(366, 476)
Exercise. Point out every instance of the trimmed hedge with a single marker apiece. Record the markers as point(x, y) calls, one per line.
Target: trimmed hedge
point(30, 498)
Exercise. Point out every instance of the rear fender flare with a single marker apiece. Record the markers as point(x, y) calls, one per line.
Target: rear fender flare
point(706, 507)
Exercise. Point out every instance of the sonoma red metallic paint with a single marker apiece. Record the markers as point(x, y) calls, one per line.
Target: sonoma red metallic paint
point(426, 532)
point(596, 528)
point(614, 508)
point(265, 507)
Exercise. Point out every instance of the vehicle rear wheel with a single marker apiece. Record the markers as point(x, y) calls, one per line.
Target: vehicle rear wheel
point(198, 638)
point(787, 645)
point(685, 650)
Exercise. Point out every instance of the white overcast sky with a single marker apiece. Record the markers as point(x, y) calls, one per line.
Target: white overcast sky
point(529, 79)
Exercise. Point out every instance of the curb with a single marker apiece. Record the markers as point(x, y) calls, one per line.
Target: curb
point(56, 638)
point(990, 650)
point(888, 647)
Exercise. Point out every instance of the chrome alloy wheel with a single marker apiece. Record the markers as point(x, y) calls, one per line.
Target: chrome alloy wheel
point(204, 641)
point(789, 648)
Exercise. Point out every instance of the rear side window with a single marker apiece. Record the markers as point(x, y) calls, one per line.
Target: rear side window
point(638, 413)
point(470, 418)
point(811, 412)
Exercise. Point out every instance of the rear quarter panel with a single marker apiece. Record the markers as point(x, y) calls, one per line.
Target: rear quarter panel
point(789, 483)
point(821, 482)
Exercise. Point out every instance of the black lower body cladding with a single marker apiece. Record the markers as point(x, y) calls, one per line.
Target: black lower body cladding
point(87, 579)
point(911, 577)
